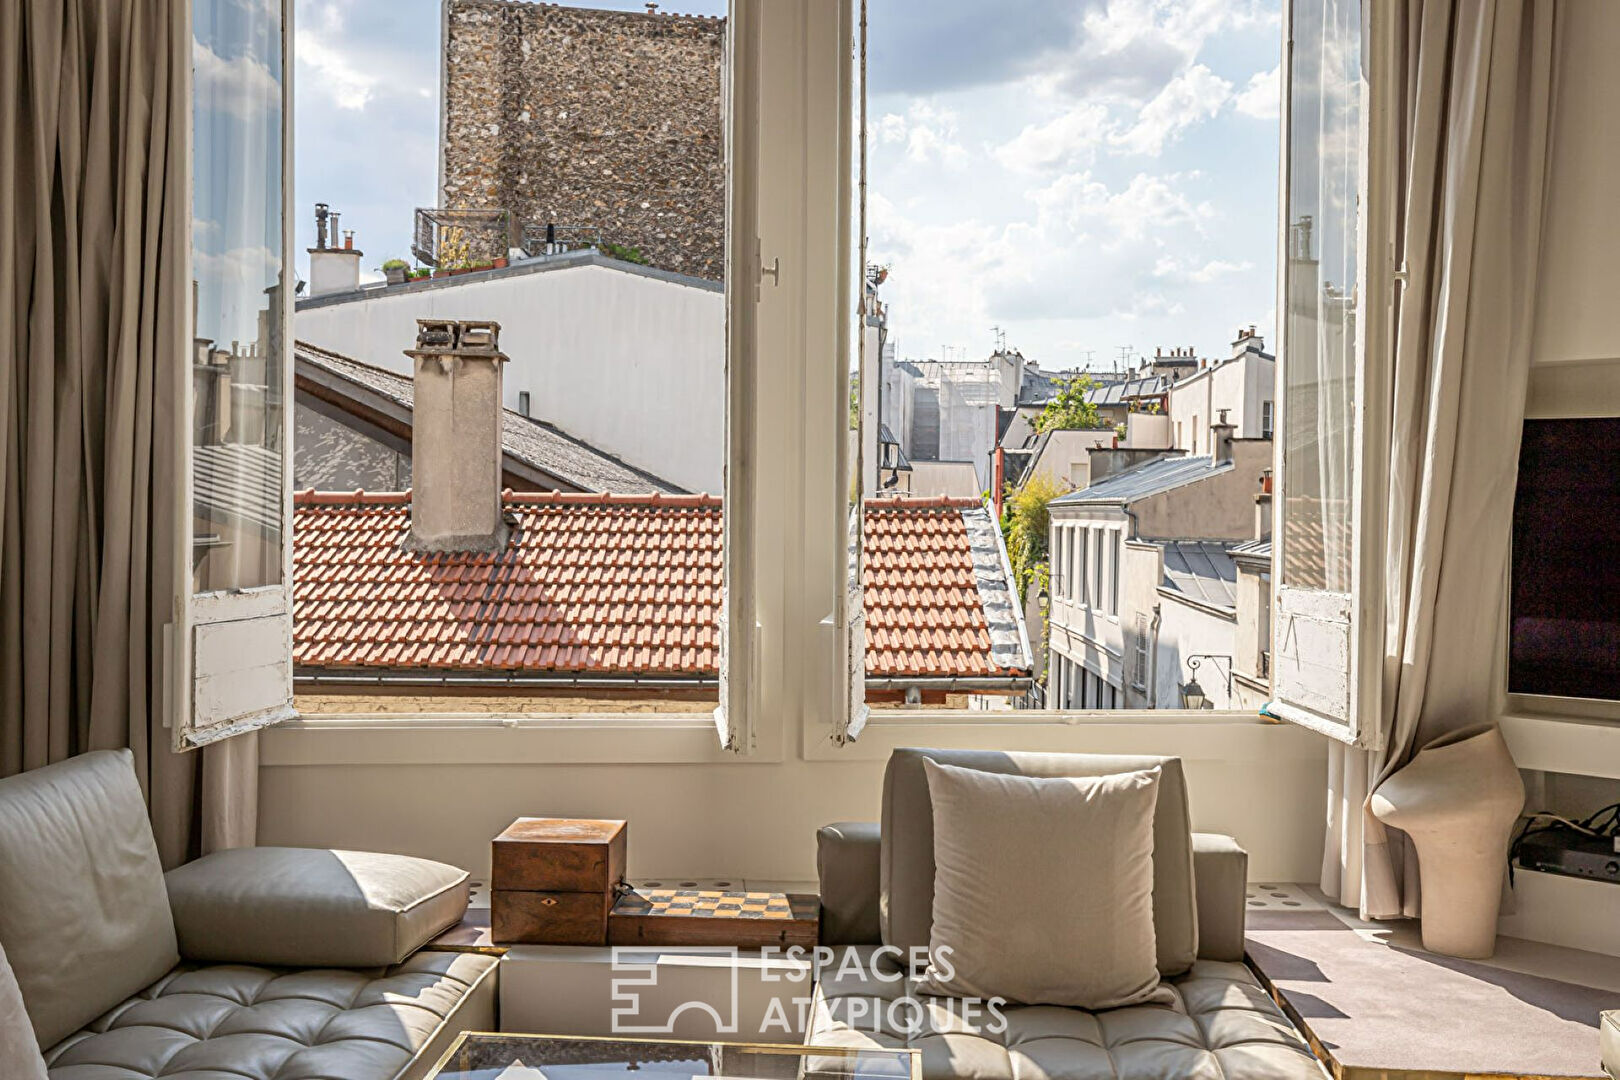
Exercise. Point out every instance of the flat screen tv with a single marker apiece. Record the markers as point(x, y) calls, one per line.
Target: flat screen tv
point(1564, 608)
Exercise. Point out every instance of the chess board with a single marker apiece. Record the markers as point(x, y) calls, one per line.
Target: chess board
point(648, 916)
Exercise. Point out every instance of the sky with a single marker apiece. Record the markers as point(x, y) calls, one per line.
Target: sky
point(1083, 174)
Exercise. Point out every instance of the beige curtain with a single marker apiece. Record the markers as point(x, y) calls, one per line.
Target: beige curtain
point(92, 318)
point(1477, 107)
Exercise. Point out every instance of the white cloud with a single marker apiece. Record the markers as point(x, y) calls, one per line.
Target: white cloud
point(318, 45)
point(240, 86)
point(1261, 98)
point(928, 133)
point(1069, 140)
point(1195, 95)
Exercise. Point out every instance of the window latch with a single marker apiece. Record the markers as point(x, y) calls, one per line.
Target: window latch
point(774, 270)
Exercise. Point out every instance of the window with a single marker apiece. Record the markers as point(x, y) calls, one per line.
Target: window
point(1139, 664)
point(1100, 560)
point(1265, 419)
point(1114, 571)
point(1336, 211)
point(234, 628)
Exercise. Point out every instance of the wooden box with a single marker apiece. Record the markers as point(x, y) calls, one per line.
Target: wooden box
point(746, 920)
point(553, 880)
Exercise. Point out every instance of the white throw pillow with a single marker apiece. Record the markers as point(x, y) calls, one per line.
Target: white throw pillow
point(1043, 888)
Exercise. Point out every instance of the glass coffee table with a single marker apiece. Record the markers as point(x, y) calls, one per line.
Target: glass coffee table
point(482, 1055)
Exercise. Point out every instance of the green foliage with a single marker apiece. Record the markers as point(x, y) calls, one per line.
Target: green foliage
point(1069, 410)
point(622, 253)
point(396, 264)
point(1025, 522)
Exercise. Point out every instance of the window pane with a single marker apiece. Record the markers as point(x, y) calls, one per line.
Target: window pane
point(1321, 292)
point(237, 360)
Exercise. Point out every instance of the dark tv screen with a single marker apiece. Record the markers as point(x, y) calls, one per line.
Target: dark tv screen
point(1564, 614)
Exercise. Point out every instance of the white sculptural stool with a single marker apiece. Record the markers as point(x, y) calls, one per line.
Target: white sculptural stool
point(1457, 799)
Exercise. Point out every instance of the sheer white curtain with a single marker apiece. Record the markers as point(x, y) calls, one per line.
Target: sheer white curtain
point(1477, 104)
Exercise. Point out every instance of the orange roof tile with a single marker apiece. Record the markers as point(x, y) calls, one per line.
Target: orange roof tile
point(603, 584)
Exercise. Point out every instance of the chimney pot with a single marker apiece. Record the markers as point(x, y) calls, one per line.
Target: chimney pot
point(456, 428)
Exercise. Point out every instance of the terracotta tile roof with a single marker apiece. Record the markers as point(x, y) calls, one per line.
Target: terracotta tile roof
point(616, 585)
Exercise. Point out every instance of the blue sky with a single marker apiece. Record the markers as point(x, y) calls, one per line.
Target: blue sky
point(1085, 174)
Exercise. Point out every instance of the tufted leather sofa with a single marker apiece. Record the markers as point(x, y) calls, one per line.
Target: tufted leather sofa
point(86, 924)
point(877, 895)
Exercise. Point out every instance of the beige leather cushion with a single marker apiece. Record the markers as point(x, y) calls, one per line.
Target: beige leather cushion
point(847, 857)
point(1043, 888)
point(309, 907)
point(19, 1050)
point(908, 842)
point(1219, 1023)
point(84, 917)
point(231, 1022)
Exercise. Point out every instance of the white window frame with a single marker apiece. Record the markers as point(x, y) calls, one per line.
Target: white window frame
point(1306, 694)
point(800, 513)
point(230, 651)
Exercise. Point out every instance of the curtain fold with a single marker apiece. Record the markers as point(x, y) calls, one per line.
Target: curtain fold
point(1476, 111)
point(92, 318)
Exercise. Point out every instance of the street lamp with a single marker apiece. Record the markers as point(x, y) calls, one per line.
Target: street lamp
point(1193, 696)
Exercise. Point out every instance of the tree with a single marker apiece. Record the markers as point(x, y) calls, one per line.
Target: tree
point(1025, 523)
point(1069, 410)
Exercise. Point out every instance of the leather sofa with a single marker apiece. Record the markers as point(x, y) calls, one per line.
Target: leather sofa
point(877, 892)
point(86, 923)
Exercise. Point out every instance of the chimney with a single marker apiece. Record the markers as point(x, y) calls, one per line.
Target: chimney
point(332, 269)
point(456, 437)
point(1247, 341)
point(1220, 439)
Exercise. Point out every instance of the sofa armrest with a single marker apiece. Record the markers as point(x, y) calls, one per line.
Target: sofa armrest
point(1221, 878)
point(847, 864)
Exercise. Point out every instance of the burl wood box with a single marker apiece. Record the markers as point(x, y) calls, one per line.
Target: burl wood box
point(552, 880)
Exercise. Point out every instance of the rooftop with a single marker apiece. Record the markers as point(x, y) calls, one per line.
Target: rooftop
point(626, 586)
point(1148, 478)
point(543, 447)
point(1201, 570)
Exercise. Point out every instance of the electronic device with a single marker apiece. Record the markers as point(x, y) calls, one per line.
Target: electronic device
point(1562, 850)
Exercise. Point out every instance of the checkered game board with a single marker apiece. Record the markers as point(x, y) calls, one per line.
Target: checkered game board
point(716, 904)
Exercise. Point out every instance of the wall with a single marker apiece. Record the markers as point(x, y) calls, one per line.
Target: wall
point(1187, 630)
point(630, 361)
point(329, 454)
point(448, 791)
point(604, 119)
point(1237, 385)
point(1066, 456)
point(1219, 508)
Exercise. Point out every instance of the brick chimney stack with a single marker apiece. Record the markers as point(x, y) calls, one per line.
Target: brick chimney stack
point(456, 437)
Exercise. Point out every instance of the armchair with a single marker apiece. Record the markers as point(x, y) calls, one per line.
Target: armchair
point(877, 890)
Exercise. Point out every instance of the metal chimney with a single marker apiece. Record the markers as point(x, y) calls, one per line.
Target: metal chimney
point(456, 437)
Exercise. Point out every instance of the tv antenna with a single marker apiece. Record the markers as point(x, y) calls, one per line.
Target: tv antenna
point(1124, 359)
point(1001, 338)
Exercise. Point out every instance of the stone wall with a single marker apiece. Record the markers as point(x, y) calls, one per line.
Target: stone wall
point(608, 120)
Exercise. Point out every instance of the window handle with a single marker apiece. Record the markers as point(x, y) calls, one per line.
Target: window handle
point(774, 270)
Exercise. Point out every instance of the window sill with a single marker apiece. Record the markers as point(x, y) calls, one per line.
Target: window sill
point(675, 738)
point(1187, 734)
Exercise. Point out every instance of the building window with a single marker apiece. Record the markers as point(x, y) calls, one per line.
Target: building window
point(1113, 581)
point(1266, 419)
point(1139, 665)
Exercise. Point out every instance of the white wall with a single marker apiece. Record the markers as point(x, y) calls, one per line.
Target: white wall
point(1185, 631)
point(631, 363)
point(1580, 275)
point(444, 793)
point(1239, 386)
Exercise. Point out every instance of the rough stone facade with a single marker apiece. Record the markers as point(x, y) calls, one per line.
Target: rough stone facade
point(606, 120)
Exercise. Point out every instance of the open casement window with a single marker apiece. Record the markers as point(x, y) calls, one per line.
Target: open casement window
point(234, 647)
point(1336, 285)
